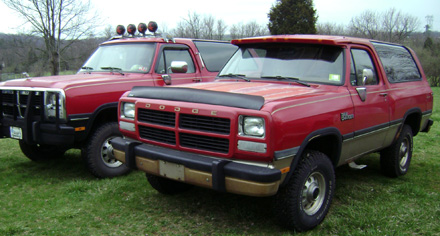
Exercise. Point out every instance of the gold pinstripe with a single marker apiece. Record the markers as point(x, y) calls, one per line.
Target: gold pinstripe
point(349, 95)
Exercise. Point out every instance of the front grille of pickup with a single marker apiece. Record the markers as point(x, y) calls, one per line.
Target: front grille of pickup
point(157, 117)
point(158, 135)
point(206, 143)
point(14, 103)
point(208, 129)
point(205, 123)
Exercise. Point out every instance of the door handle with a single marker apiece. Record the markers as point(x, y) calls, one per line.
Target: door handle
point(383, 94)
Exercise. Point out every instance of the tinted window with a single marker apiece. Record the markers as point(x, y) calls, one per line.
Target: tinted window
point(398, 63)
point(174, 54)
point(215, 54)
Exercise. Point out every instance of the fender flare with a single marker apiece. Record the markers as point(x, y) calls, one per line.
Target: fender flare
point(330, 131)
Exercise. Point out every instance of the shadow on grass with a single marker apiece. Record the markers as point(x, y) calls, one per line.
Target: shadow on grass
point(68, 167)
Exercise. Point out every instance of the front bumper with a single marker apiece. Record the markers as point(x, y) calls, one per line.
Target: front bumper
point(218, 174)
point(37, 133)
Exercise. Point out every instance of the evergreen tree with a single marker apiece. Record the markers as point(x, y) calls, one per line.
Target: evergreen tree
point(292, 17)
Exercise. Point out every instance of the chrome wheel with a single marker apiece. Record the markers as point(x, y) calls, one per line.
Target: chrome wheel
point(107, 155)
point(313, 193)
point(403, 154)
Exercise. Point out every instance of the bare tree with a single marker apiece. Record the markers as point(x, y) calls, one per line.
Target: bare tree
point(56, 21)
point(221, 29)
point(397, 26)
point(365, 25)
point(250, 29)
point(391, 25)
point(330, 29)
point(194, 25)
point(208, 30)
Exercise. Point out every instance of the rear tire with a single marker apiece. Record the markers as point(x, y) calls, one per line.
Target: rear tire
point(305, 201)
point(98, 153)
point(167, 186)
point(395, 160)
point(39, 153)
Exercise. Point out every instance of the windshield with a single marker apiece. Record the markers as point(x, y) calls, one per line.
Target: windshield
point(302, 62)
point(133, 57)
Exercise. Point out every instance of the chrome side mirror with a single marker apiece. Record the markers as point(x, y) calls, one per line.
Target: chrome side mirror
point(368, 77)
point(166, 79)
point(179, 66)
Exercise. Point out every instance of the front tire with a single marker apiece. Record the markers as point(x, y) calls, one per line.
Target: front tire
point(167, 186)
point(395, 160)
point(304, 202)
point(39, 153)
point(98, 153)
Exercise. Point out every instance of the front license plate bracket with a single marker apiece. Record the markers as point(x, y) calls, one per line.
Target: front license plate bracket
point(172, 170)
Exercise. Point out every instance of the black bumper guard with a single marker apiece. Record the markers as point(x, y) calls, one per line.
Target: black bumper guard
point(219, 168)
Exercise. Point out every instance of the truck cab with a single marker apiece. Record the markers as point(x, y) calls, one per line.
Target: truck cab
point(49, 115)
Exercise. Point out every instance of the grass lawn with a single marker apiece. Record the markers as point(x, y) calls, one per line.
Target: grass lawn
point(61, 198)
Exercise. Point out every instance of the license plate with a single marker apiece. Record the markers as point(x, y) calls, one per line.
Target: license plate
point(172, 170)
point(16, 132)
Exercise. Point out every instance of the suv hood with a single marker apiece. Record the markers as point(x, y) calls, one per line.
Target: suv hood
point(62, 81)
point(269, 91)
point(234, 94)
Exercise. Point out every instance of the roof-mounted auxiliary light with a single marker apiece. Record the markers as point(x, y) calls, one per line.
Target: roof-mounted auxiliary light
point(120, 30)
point(142, 28)
point(131, 29)
point(152, 26)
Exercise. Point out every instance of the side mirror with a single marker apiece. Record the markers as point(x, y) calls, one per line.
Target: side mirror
point(179, 66)
point(166, 79)
point(368, 77)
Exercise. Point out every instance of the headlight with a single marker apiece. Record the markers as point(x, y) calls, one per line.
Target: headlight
point(52, 101)
point(252, 126)
point(128, 110)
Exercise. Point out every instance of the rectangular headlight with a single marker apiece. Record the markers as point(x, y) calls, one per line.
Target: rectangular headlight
point(252, 126)
point(52, 101)
point(128, 110)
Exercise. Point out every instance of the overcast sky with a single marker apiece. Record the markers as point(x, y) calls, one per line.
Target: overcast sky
point(169, 12)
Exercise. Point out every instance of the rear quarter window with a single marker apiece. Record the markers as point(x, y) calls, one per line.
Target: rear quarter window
point(215, 54)
point(398, 63)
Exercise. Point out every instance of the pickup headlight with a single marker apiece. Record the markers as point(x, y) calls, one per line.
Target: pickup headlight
point(52, 101)
point(252, 126)
point(128, 110)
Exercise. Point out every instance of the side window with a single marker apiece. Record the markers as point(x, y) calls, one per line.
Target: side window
point(398, 63)
point(215, 54)
point(362, 69)
point(174, 54)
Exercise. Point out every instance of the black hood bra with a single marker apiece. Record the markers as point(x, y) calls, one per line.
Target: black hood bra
point(199, 96)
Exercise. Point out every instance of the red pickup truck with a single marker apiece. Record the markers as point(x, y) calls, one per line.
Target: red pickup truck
point(284, 112)
point(49, 115)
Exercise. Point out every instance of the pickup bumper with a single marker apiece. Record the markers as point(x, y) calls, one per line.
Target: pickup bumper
point(218, 174)
point(37, 133)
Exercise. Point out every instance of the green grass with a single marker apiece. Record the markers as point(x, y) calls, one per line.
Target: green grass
point(62, 198)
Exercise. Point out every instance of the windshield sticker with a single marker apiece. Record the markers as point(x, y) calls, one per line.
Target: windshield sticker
point(334, 77)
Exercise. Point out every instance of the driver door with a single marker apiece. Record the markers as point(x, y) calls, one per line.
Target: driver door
point(371, 105)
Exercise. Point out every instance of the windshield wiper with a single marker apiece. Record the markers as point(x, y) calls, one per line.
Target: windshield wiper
point(287, 78)
point(88, 69)
point(239, 76)
point(112, 69)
